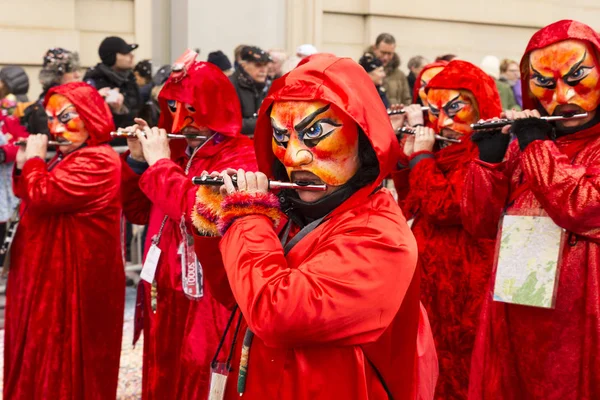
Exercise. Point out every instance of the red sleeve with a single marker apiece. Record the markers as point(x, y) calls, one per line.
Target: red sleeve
point(167, 187)
point(86, 181)
point(353, 303)
point(485, 193)
point(209, 256)
point(136, 206)
point(16, 131)
point(439, 196)
point(570, 194)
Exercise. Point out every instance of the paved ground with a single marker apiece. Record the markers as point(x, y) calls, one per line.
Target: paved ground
point(130, 374)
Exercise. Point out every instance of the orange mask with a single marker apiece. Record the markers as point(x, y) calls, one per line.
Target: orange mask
point(451, 109)
point(184, 117)
point(64, 121)
point(425, 78)
point(317, 137)
point(565, 73)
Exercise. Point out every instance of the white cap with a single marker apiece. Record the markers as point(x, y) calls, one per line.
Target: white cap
point(306, 50)
point(491, 66)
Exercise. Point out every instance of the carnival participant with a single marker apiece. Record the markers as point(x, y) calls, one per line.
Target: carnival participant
point(182, 322)
point(66, 286)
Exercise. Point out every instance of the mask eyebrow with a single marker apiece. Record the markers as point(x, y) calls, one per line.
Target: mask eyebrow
point(449, 102)
point(577, 65)
point(307, 120)
point(277, 128)
point(535, 71)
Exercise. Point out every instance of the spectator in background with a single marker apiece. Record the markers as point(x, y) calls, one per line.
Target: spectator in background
point(374, 68)
point(509, 73)
point(278, 57)
point(446, 57)
point(114, 79)
point(143, 78)
point(14, 85)
point(59, 66)
point(219, 59)
point(491, 66)
point(302, 52)
point(237, 55)
point(249, 81)
point(415, 66)
point(395, 82)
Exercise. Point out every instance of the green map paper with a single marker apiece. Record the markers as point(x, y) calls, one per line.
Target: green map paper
point(527, 272)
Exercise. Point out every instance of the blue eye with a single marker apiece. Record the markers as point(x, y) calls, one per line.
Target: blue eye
point(281, 136)
point(578, 75)
point(314, 131)
point(172, 105)
point(66, 117)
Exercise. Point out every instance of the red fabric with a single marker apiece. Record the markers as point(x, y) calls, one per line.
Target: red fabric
point(66, 286)
point(91, 108)
point(208, 90)
point(526, 352)
point(417, 86)
point(12, 131)
point(455, 266)
point(181, 337)
point(347, 292)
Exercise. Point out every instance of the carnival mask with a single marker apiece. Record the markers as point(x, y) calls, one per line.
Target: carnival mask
point(564, 77)
point(452, 111)
point(186, 121)
point(427, 75)
point(315, 139)
point(64, 121)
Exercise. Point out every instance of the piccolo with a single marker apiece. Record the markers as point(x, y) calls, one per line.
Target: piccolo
point(169, 135)
point(499, 123)
point(50, 143)
point(410, 131)
point(402, 111)
point(273, 185)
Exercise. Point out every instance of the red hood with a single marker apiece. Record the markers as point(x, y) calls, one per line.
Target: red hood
point(417, 86)
point(210, 92)
point(466, 76)
point(556, 32)
point(340, 81)
point(91, 107)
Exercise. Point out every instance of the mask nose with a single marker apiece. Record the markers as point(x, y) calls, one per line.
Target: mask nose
point(444, 121)
point(179, 118)
point(296, 154)
point(55, 127)
point(564, 93)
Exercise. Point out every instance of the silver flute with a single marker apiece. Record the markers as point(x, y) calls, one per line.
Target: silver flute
point(403, 111)
point(207, 180)
point(409, 131)
point(499, 123)
point(23, 142)
point(124, 133)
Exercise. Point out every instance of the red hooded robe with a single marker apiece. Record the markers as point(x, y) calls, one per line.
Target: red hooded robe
point(346, 297)
point(454, 265)
point(66, 286)
point(181, 337)
point(527, 352)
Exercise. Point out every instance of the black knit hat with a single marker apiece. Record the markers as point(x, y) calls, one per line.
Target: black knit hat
point(111, 46)
point(220, 60)
point(255, 54)
point(17, 81)
point(144, 68)
point(369, 62)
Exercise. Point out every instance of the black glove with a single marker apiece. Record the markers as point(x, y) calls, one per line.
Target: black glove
point(35, 120)
point(529, 129)
point(492, 145)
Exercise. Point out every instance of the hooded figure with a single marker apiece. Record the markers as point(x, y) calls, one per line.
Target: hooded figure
point(528, 352)
point(180, 334)
point(335, 312)
point(457, 96)
point(426, 75)
point(66, 286)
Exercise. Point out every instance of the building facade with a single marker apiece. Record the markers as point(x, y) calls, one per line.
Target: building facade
point(165, 28)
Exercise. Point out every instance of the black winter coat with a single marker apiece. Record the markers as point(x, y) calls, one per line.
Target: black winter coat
point(251, 97)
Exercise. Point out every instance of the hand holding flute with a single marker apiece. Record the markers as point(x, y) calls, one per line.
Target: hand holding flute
point(34, 146)
point(149, 144)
